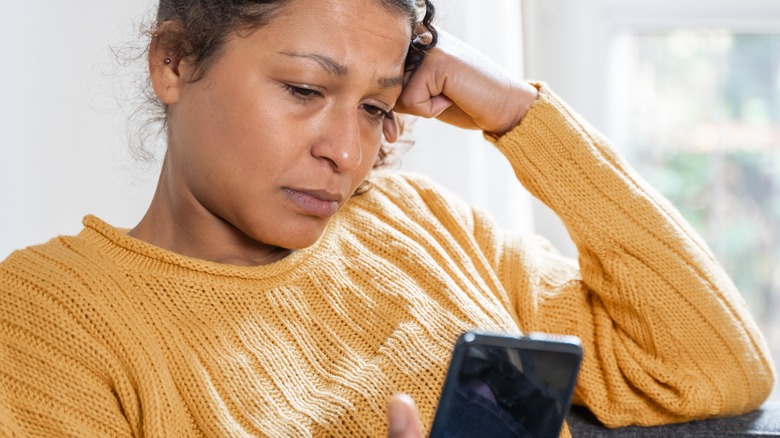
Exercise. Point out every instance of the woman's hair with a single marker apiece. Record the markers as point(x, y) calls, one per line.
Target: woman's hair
point(200, 29)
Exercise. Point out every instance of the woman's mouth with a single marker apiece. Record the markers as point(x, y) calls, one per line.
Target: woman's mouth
point(314, 202)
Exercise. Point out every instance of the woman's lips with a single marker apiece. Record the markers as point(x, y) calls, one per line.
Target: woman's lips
point(314, 202)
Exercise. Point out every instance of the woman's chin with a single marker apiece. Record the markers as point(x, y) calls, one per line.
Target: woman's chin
point(291, 237)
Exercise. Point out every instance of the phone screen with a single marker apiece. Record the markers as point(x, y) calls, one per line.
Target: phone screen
point(500, 386)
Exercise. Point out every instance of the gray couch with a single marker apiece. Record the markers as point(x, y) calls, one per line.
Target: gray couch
point(764, 422)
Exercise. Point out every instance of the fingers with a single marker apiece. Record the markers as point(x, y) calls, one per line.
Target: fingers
point(403, 418)
point(422, 95)
point(461, 86)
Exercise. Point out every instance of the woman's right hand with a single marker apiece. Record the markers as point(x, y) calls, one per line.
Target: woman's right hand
point(403, 418)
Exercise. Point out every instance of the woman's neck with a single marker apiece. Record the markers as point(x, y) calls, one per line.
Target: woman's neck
point(177, 222)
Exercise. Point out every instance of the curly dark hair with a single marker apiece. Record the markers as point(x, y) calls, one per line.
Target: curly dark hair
point(201, 29)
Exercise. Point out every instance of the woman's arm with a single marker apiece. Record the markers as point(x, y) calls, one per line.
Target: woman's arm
point(667, 337)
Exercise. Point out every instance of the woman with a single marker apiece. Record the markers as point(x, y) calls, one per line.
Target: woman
point(278, 286)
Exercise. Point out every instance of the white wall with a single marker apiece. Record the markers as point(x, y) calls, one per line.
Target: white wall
point(64, 139)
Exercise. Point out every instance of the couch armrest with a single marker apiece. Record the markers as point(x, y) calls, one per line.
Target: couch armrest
point(764, 421)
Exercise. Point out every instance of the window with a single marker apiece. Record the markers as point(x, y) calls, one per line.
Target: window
point(703, 125)
point(690, 92)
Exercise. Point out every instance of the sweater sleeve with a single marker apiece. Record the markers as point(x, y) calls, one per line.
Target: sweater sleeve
point(666, 335)
point(52, 381)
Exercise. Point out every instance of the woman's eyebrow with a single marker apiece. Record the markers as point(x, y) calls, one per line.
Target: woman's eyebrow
point(392, 82)
point(328, 64)
point(334, 68)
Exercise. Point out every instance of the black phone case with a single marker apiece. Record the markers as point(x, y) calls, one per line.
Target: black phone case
point(514, 386)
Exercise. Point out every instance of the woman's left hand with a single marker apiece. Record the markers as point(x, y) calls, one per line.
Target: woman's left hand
point(462, 87)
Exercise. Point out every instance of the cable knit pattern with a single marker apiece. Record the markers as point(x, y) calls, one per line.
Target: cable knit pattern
point(105, 335)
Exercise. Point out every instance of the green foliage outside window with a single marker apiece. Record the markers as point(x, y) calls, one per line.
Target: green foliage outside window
point(703, 127)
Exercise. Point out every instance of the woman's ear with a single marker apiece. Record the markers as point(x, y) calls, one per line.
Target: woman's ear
point(390, 127)
point(164, 61)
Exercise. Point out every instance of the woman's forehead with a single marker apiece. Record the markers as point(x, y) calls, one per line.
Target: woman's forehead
point(351, 12)
point(338, 29)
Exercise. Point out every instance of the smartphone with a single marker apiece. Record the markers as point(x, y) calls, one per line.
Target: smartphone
point(508, 386)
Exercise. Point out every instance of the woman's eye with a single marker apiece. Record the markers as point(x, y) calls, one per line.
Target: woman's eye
point(301, 92)
point(375, 111)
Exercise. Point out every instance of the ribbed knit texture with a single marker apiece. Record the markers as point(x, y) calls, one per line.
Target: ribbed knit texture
point(105, 335)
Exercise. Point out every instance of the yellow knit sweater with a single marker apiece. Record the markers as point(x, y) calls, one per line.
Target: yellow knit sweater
point(105, 335)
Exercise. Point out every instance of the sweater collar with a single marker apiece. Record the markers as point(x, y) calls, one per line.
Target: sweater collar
point(131, 252)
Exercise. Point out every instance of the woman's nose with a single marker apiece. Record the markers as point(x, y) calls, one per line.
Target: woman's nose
point(340, 143)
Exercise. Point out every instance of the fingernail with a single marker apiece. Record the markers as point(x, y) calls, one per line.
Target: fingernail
point(398, 414)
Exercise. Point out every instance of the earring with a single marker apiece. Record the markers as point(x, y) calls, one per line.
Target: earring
point(167, 61)
point(423, 39)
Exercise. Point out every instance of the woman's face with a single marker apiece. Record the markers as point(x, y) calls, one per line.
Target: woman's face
point(287, 123)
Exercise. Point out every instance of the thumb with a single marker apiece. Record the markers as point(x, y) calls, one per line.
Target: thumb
point(402, 416)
